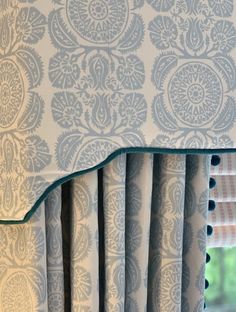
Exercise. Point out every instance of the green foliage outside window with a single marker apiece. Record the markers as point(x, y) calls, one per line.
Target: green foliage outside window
point(221, 274)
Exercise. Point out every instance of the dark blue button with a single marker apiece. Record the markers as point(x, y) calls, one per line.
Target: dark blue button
point(211, 205)
point(212, 183)
point(208, 258)
point(206, 284)
point(209, 230)
point(215, 160)
point(205, 305)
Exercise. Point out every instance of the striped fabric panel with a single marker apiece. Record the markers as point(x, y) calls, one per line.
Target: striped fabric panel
point(227, 165)
point(223, 217)
point(224, 214)
point(225, 190)
point(223, 236)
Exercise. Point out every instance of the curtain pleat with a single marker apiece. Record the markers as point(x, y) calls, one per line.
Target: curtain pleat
point(114, 230)
point(195, 232)
point(129, 237)
point(139, 182)
point(55, 274)
point(84, 251)
point(166, 234)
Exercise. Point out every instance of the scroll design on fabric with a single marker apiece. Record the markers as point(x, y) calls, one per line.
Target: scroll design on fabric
point(99, 75)
point(194, 73)
point(22, 152)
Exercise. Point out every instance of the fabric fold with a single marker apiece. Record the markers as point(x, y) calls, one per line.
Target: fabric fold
point(114, 231)
point(55, 274)
point(84, 244)
point(166, 234)
point(139, 182)
point(129, 237)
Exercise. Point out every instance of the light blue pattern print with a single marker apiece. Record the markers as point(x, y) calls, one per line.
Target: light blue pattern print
point(23, 151)
point(94, 76)
point(163, 32)
point(131, 72)
point(116, 239)
point(31, 24)
point(161, 5)
point(96, 21)
point(66, 109)
point(221, 8)
point(95, 71)
point(189, 73)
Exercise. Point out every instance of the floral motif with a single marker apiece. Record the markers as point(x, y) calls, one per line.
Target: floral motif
point(134, 198)
point(29, 245)
point(194, 35)
point(82, 198)
point(114, 218)
point(98, 72)
point(133, 235)
point(63, 70)
point(201, 237)
point(11, 92)
point(30, 189)
point(131, 72)
point(98, 21)
point(195, 93)
point(161, 5)
point(66, 109)
point(223, 8)
point(35, 155)
point(83, 289)
point(17, 295)
point(82, 242)
point(133, 109)
point(101, 111)
point(91, 38)
point(163, 32)
point(30, 24)
point(21, 71)
point(169, 291)
point(132, 274)
point(223, 35)
point(194, 105)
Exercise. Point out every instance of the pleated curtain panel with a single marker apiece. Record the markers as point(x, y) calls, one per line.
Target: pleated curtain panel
point(128, 237)
point(117, 152)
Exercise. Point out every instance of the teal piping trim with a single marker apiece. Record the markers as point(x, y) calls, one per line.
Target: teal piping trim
point(154, 150)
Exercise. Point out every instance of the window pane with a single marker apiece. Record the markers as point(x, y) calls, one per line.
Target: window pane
point(221, 274)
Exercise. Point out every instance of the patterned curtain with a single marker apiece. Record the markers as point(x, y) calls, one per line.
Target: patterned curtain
point(128, 237)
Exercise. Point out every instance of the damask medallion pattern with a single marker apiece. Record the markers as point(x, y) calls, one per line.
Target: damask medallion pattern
point(98, 21)
point(194, 75)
